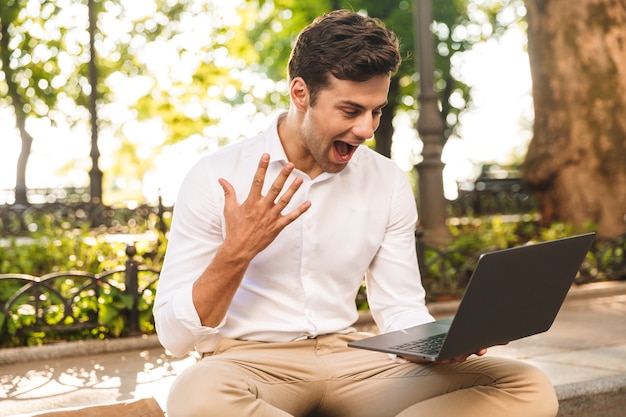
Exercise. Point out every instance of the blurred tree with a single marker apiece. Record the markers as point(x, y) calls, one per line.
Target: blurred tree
point(62, 61)
point(187, 67)
point(135, 92)
point(170, 71)
point(458, 24)
point(576, 161)
point(31, 52)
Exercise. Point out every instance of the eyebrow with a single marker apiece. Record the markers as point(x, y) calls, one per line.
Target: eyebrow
point(360, 106)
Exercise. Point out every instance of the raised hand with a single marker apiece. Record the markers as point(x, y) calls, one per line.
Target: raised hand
point(252, 225)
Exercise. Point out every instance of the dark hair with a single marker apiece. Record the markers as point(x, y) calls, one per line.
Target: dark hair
point(345, 44)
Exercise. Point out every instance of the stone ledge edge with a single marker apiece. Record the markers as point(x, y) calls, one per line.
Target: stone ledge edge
point(594, 387)
point(10, 356)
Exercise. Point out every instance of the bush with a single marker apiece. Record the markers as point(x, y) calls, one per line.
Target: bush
point(446, 271)
point(54, 246)
point(58, 248)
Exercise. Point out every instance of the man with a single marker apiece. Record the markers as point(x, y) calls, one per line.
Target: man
point(271, 239)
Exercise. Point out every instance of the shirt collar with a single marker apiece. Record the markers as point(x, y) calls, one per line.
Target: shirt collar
point(273, 144)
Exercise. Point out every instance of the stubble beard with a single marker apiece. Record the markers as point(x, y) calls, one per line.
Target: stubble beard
point(312, 141)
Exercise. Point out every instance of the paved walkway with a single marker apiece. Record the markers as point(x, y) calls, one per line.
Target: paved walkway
point(584, 354)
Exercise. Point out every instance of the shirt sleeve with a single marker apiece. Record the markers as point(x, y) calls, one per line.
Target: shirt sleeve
point(395, 293)
point(195, 236)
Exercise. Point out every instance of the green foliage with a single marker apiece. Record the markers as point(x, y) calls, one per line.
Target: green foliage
point(99, 300)
point(55, 246)
point(448, 270)
point(98, 308)
point(457, 26)
point(213, 64)
point(112, 302)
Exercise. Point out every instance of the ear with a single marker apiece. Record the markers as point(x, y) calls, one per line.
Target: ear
point(299, 94)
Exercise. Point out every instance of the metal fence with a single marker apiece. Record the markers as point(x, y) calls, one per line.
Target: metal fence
point(73, 301)
point(486, 196)
point(65, 302)
point(18, 220)
point(446, 272)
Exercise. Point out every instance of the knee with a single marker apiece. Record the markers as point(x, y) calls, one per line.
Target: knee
point(528, 389)
point(539, 391)
point(196, 392)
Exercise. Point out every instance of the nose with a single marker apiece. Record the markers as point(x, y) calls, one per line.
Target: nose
point(364, 126)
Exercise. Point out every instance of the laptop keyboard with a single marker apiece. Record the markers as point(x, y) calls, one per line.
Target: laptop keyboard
point(429, 345)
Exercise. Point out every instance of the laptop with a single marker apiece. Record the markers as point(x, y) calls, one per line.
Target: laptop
point(513, 293)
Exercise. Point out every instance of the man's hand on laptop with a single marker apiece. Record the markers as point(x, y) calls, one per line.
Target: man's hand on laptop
point(457, 359)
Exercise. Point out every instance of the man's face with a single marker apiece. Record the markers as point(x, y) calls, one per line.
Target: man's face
point(345, 114)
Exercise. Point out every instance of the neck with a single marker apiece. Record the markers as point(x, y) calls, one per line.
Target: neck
point(289, 135)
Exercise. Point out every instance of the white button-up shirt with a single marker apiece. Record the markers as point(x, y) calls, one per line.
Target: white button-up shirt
point(360, 226)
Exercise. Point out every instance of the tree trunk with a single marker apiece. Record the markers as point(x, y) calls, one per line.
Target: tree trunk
point(384, 133)
point(20, 117)
point(576, 161)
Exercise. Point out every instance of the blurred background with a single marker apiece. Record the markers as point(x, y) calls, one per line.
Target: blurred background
point(507, 116)
point(178, 79)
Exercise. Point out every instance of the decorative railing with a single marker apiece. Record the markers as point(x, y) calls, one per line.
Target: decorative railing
point(446, 272)
point(65, 302)
point(19, 219)
point(483, 197)
point(488, 202)
point(117, 302)
point(37, 196)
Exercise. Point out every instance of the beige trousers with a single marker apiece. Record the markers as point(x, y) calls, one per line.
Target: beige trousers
point(324, 377)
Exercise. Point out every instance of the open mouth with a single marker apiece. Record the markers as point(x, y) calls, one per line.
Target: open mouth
point(344, 150)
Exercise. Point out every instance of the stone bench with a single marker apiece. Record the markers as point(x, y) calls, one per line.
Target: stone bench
point(145, 407)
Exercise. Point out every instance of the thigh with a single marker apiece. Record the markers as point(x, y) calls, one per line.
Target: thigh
point(248, 378)
point(373, 384)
